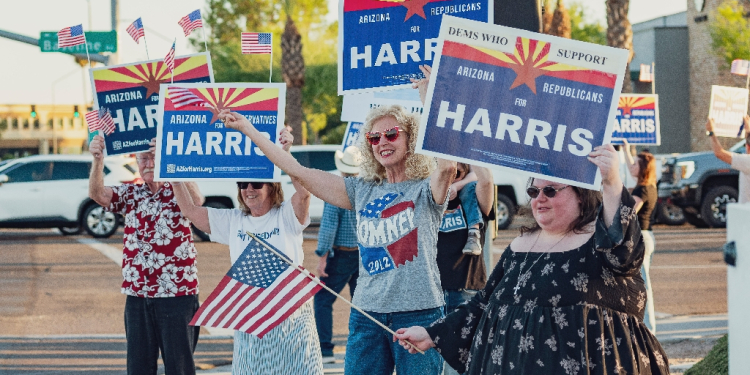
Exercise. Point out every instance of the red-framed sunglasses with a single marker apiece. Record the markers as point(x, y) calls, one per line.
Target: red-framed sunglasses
point(255, 185)
point(391, 135)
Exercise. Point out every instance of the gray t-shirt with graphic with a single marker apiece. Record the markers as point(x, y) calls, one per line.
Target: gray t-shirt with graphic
point(397, 226)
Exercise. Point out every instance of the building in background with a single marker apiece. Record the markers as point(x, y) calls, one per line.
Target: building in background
point(41, 129)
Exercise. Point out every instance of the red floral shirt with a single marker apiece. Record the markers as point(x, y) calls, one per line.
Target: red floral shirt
point(158, 257)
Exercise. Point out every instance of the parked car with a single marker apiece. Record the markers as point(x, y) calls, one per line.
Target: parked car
point(51, 191)
point(702, 185)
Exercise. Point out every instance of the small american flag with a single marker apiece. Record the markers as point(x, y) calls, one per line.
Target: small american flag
point(646, 74)
point(740, 67)
point(191, 22)
point(106, 123)
point(256, 43)
point(182, 97)
point(70, 36)
point(169, 58)
point(136, 30)
point(257, 294)
point(92, 121)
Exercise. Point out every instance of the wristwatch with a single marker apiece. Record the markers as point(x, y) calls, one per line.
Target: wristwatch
point(710, 134)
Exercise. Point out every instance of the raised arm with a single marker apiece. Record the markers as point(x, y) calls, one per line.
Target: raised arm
point(195, 213)
point(323, 185)
point(441, 179)
point(485, 190)
point(97, 191)
point(605, 157)
point(301, 197)
point(719, 151)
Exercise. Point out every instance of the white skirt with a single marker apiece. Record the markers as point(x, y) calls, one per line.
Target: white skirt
point(292, 347)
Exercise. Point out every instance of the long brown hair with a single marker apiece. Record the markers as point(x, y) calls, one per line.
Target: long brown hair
point(589, 206)
point(646, 168)
point(276, 194)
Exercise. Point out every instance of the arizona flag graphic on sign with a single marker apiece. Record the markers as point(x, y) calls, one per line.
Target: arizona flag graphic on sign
point(521, 100)
point(637, 120)
point(387, 234)
point(257, 294)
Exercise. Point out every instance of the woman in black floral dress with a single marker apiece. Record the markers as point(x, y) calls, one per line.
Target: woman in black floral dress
point(566, 297)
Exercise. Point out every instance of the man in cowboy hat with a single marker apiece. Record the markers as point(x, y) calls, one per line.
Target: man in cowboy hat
point(338, 264)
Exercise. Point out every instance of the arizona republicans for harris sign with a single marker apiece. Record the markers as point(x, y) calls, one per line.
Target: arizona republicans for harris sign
point(131, 93)
point(382, 42)
point(637, 120)
point(193, 144)
point(728, 106)
point(516, 99)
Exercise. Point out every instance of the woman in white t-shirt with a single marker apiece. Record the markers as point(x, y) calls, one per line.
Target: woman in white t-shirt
point(292, 347)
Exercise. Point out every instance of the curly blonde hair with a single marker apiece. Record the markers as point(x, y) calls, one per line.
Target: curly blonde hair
point(417, 166)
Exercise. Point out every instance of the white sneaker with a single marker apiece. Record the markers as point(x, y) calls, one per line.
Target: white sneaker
point(329, 359)
point(473, 246)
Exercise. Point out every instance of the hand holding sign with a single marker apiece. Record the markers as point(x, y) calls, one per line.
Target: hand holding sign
point(710, 125)
point(422, 83)
point(605, 157)
point(286, 138)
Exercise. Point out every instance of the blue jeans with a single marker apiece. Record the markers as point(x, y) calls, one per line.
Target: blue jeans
point(154, 325)
point(454, 298)
point(468, 196)
point(342, 269)
point(371, 349)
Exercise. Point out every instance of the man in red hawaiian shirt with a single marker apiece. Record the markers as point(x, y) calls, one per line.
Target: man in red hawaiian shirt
point(158, 267)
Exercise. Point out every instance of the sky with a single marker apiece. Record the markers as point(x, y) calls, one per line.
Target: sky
point(28, 76)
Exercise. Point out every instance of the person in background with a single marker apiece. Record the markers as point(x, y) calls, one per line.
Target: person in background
point(645, 194)
point(158, 266)
point(463, 273)
point(740, 162)
point(464, 189)
point(338, 264)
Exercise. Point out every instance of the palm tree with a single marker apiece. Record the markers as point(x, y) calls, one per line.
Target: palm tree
point(547, 17)
point(620, 33)
point(293, 72)
point(560, 22)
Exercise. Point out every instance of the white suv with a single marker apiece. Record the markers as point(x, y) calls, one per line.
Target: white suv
point(52, 191)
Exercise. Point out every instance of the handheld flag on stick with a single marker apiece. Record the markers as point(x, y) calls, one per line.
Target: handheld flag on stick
point(136, 31)
point(106, 123)
point(73, 36)
point(182, 97)
point(92, 121)
point(169, 59)
point(740, 67)
point(191, 22)
point(259, 44)
point(646, 73)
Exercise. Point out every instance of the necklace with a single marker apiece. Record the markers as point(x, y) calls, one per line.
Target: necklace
point(525, 276)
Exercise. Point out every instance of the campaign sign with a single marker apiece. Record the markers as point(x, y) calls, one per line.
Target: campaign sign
point(356, 107)
point(637, 120)
point(193, 144)
point(728, 106)
point(131, 93)
point(530, 102)
point(383, 42)
point(351, 137)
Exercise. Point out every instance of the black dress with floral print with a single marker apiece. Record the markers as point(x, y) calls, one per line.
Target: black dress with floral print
point(576, 312)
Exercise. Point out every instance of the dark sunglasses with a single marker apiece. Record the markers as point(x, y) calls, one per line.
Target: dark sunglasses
point(548, 191)
point(255, 185)
point(391, 135)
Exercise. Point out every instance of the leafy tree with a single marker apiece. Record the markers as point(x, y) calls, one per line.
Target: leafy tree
point(583, 31)
point(730, 35)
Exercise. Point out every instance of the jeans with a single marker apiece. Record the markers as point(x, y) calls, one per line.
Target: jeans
point(468, 196)
point(342, 269)
point(649, 242)
point(453, 298)
point(154, 325)
point(371, 349)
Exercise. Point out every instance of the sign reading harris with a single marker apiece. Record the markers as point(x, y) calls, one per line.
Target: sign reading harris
point(637, 120)
point(193, 144)
point(131, 93)
point(521, 100)
point(728, 106)
point(382, 42)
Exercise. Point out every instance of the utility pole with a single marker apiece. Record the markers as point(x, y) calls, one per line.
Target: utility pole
point(115, 13)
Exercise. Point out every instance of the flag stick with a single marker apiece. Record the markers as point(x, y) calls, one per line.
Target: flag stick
point(145, 44)
point(270, 64)
point(316, 280)
point(86, 44)
point(653, 78)
point(205, 44)
point(747, 82)
point(174, 57)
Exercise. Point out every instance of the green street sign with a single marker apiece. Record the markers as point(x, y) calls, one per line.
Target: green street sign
point(98, 42)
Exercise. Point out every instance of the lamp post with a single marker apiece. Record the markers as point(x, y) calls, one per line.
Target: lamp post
point(54, 130)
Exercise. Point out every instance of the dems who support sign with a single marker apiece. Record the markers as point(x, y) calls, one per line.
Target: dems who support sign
point(356, 107)
point(728, 106)
point(637, 120)
point(131, 93)
point(521, 100)
point(383, 42)
point(193, 144)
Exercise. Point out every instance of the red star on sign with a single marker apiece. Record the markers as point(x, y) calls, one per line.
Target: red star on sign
point(526, 74)
point(627, 111)
point(152, 85)
point(415, 7)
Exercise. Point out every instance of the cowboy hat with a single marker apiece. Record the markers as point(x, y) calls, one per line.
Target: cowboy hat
point(348, 161)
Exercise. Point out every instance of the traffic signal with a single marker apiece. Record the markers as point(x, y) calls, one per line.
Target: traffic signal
point(76, 114)
point(33, 111)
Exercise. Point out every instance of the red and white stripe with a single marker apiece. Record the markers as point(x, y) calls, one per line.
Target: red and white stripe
point(740, 67)
point(135, 31)
point(250, 44)
point(92, 121)
point(169, 59)
point(106, 123)
point(182, 97)
point(65, 39)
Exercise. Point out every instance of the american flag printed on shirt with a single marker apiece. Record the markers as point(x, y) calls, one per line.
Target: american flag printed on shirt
point(191, 22)
point(92, 121)
point(136, 30)
point(106, 123)
point(70, 36)
point(257, 294)
point(740, 67)
point(257, 43)
point(169, 58)
point(182, 97)
point(646, 74)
